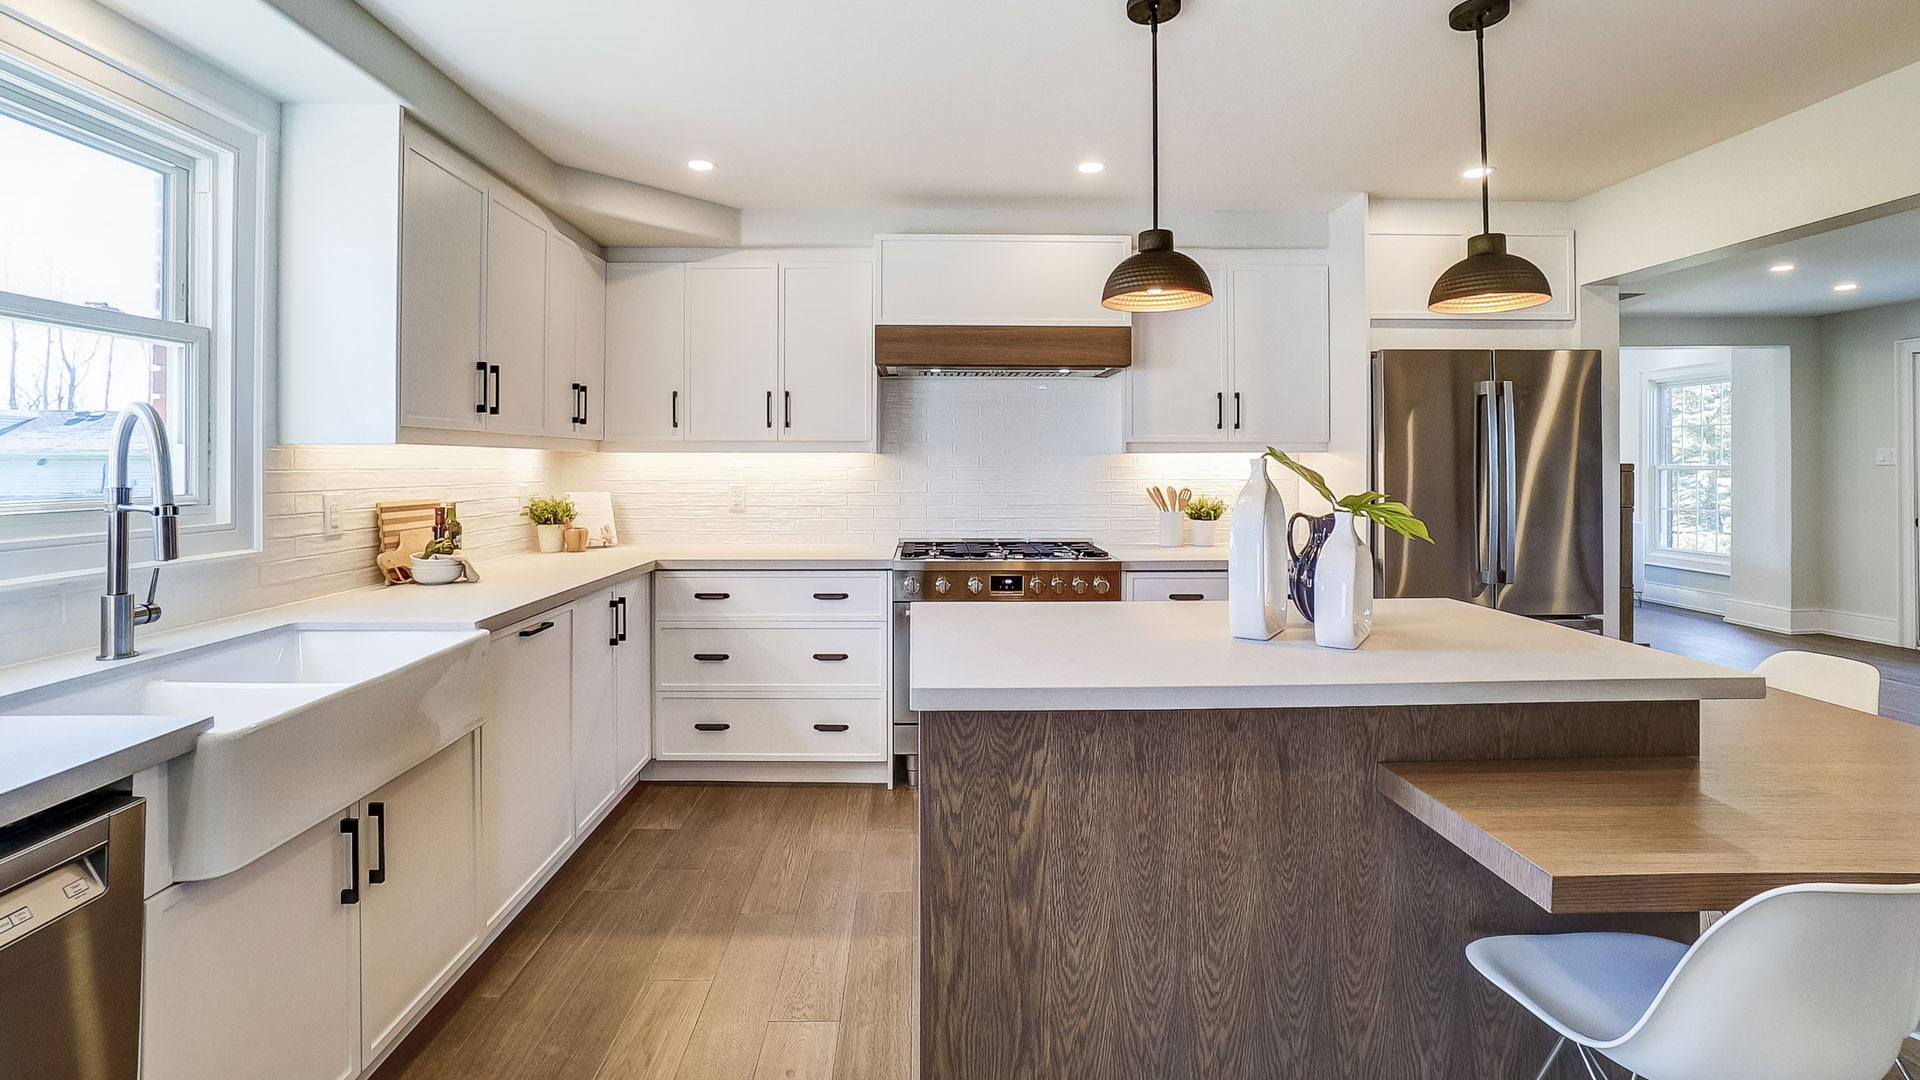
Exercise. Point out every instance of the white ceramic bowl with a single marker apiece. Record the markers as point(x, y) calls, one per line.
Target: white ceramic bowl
point(435, 571)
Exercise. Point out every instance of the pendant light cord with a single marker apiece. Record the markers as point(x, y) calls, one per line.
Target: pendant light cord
point(1486, 166)
point(1153, 28)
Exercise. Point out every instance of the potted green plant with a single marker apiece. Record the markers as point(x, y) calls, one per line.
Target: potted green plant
point(550, 514)
point(1339, 578)
point(1204, 512)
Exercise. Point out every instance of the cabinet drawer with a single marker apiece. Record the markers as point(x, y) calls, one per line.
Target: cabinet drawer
point(770, 595)
point(1198, 585)
point(770, 657)
point(772, 729)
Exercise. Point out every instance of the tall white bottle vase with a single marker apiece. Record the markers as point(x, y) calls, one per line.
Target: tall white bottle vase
point(1257, 559)
point(1343, 587)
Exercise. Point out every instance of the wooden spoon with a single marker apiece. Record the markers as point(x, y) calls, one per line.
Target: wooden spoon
point(1154, 494)
point(1186, 498)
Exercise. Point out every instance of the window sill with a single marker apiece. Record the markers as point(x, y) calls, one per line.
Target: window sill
point(1698, 564)
point(137, 570)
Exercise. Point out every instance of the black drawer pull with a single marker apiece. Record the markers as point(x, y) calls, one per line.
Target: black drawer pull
point(351, 894)
point(711, 595)
point(1186, 596)
point(830, 727)
point(711, 727)
point(378, 812)
point(710, 657)
point(830, 657)
point(829, 596)
point(532, 630)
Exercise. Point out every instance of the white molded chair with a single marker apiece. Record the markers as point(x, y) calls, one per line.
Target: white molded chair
point(1807, 982)
point(1835, 679)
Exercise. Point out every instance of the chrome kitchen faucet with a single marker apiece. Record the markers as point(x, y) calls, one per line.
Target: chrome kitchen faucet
point(118, 613)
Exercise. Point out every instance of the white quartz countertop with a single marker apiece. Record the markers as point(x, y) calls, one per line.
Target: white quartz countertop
point(997, 657)
point(46, 760)
point(1143, 557)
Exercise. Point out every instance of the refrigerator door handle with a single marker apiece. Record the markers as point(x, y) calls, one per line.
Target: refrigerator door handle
point(1487, 470)
point(1509, 501)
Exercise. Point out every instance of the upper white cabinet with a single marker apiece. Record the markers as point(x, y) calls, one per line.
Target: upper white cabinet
point(996, 280)
point(745, 350)
point(590, 344)
point(1402, 266)
point(422, 299)
point(1249, 370)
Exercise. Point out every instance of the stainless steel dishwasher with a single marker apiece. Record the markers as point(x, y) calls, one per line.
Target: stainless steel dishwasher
point(71, 926)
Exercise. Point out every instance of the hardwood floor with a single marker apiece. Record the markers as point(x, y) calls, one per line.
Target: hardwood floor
point(704, 932)
point(1707, 637)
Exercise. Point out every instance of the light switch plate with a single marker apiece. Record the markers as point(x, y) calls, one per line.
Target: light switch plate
point(330, 515)
point(1884, 457)
point(737, 499)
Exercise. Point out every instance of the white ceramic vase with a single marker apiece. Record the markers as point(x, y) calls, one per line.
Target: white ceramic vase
point(1173, 528)
point(1343, 587)
point(1203, 532)
point(552, 537)
point(1257, 559)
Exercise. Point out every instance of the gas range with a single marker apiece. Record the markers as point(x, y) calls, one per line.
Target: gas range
point(1004, 569)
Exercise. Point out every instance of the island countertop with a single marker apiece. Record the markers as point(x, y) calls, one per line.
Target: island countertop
point(1066, 656)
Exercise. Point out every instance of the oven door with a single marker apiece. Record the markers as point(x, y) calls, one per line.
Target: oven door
point(906, 723)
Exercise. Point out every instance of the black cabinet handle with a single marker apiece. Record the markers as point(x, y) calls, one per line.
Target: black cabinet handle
point(351, 894)
point(676, 408)
point(711, 727)
point(830, 657)
point(614, 637)
point(575, 418)
point(829, 596)
point(532, 630)
point(493, 374)
point(585, 403)
point(830, 727)
point(378, 875)
point(710, 657)
point(711, 595)
point(1186, 596)
point(1236, 410)
point(481, 367)
point(769, 408)
point(786, 408)
point(1219, 411)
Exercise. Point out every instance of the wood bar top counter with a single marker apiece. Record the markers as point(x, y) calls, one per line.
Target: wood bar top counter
point(1784, 790)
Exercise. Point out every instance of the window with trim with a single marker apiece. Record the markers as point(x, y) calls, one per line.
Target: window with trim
point(1692, 455)
point(129, 272)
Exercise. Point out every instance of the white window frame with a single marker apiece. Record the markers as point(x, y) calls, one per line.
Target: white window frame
point(215, 305)
point(1658, 382)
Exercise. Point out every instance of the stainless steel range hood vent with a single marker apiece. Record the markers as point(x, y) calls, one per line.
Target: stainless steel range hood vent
point(1002, 352)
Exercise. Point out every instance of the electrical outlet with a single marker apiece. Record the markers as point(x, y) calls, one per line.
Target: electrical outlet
point(1884, 457)
point(737, 499)
point(330, 514)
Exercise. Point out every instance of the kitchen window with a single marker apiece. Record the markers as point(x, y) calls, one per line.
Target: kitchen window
point(1692, 455)
point(128, 216)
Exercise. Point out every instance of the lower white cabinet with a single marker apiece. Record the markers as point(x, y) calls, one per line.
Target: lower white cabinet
point(526, 765)
point(596, 630)
point(633, 678)
point(417, 911)
point(1181, 585)
point(254, 974)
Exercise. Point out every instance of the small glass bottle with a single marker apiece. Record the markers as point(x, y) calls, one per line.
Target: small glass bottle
point(453, 529)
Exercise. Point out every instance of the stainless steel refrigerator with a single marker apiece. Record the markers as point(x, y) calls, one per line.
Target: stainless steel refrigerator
point(1499, 452)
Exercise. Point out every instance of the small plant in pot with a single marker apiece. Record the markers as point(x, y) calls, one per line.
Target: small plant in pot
point(438, 564)
point(550, 514)
point(1204, 513)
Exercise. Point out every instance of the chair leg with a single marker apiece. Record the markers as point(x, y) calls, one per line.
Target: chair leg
point(1554, 1054)
point(1596, 1065)
point(1902, 1066)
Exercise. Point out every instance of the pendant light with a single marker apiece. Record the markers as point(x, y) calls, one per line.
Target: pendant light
point(1156, 278)
point(1488, 280)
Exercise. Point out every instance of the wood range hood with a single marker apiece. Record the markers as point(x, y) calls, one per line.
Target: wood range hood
point(1002, 351)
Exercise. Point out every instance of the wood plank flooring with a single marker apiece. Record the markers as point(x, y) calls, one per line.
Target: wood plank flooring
point(704, 932)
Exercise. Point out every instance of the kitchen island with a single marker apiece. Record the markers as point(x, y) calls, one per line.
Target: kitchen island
point(1149, 850)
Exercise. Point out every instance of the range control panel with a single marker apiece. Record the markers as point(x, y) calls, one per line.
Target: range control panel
point(1065, 581)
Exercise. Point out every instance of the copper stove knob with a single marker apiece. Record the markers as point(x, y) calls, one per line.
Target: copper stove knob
point(973, 585)
point(1100, 586)
point(940, 586)
point(1079, 585)
point(1059, 585)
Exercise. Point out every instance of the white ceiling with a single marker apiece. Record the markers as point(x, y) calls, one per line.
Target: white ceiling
point(1882, 256)
point(1265, 103)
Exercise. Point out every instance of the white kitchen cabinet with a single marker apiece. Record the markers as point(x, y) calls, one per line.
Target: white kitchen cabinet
point(1249, 370)
point(827, 380)
point(590, 344)
point(1175, 585)
point(633, 678)
point(443, 245)
point(733, 352)
point(418, 916)
point(526, 763)
point(997, 280)
point(646, 352)
point(562, 313)
point(516, 331)
point(1402, 265)
point(596, 628)
point(254, 974)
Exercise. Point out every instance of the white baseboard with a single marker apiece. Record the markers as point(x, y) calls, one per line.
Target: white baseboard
point(771, 772)
point(1765, 616)
point(1874, 628)
point(1680, 596)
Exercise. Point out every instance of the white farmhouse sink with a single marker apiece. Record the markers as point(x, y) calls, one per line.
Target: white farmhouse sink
point(306, 720)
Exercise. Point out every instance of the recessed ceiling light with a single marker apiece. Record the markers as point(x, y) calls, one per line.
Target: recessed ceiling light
point(1091, 167)
point(1781, 268)
point(700, 165)
point(1477, 172)
point(1846, 286)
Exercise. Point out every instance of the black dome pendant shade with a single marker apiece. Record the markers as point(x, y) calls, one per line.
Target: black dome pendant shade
point(1489, 280)
point(1156, 278)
